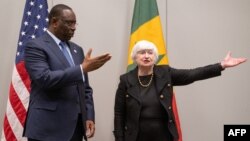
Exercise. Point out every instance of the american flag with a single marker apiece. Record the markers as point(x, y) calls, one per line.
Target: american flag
point(34, 23)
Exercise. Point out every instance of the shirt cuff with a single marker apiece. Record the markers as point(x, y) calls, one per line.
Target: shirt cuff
point(83, 78)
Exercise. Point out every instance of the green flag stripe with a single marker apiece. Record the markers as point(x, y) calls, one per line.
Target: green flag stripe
point(144, 10)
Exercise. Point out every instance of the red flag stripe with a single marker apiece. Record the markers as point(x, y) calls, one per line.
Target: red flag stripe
point(17, 105)
point(18, 97)
point(20, 88)
point(23, 74)
point(15, 126)
point(176, 116)
point(8, 132)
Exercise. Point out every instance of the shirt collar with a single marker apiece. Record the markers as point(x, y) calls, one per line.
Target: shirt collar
point(54, 37)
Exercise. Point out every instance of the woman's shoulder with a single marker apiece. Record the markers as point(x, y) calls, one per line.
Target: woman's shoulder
point(126, 74)
point(129, 75)
point(162, 67)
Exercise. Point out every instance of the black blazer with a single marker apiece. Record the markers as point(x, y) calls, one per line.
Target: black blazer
point(127, 101)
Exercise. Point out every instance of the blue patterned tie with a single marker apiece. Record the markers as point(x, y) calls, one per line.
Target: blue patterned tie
point(66, 53)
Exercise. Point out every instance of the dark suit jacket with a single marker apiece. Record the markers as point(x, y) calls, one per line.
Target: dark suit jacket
point(58, 93)
point(127, 102)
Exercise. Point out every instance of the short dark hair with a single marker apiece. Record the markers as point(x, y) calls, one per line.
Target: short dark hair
point(56, 11)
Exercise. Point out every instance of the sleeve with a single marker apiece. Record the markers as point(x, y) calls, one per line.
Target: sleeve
point(187, 76)
point(83, 77)
point(89, 99)
point(88, 91)
point(120, 111)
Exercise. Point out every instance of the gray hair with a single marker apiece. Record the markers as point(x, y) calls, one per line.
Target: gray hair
point(142, 45)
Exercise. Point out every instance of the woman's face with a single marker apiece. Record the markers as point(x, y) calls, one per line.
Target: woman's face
point(145, 58)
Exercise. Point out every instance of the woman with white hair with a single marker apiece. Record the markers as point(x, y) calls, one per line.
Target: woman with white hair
point(143, 100)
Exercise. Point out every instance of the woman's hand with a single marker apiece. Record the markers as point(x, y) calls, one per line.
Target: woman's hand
point(229, 61)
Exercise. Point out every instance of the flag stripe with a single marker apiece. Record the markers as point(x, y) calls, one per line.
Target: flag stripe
point(3, 135)
point(13, 122)
point(20, 87)
point(143, 12)
point(149, 31)
point(34, 24)
point(17, 105)
point(176, 117)
point(8, 132)
point(22, 72)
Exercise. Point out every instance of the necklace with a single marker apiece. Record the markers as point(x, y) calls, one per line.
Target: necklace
point(146, 85)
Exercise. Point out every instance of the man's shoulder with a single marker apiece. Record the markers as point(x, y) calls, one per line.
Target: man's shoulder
point(39, 39)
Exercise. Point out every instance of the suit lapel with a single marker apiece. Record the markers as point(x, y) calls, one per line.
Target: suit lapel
point(134, 88)
point(74, 53)
point(163, 85)
point(161, 79)
point(55, 49)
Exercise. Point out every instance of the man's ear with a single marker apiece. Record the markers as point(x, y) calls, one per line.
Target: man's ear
point(54, 21)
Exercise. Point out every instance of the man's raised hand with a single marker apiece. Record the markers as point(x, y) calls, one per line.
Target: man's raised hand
point(91, 64)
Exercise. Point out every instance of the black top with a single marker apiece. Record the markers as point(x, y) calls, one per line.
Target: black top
point(153, 117)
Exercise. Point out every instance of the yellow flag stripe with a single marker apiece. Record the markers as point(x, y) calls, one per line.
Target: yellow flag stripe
point(151, 31)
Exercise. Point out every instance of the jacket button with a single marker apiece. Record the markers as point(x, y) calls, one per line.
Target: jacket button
point(169, 84)
point(170, 121)
point(161, 96)
point(169, 107)
point(127, 95)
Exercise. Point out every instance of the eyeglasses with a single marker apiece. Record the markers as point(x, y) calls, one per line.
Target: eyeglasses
point(69, 23)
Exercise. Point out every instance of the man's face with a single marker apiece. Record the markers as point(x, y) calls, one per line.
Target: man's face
point(65, 25)
point(145, 58)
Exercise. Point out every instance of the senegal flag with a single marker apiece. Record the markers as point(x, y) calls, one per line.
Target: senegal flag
point(146, 25)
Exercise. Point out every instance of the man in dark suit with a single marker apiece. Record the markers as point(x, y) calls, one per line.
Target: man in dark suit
point(61, 105)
